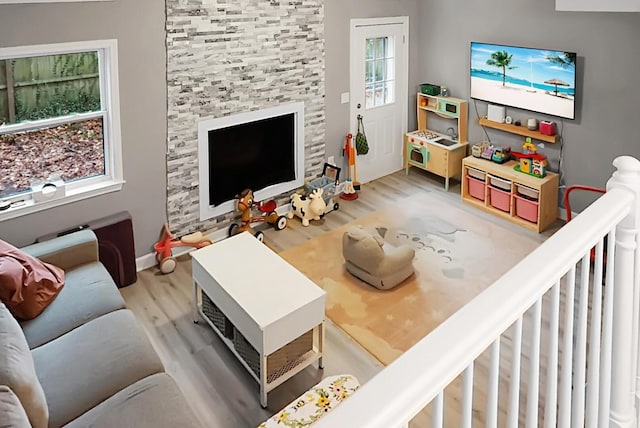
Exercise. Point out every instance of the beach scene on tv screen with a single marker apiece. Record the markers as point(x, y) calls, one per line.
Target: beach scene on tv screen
point(532, 79)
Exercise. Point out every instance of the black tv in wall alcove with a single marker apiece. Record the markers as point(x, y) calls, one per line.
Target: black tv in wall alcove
point(251, 155)
point(262, 150)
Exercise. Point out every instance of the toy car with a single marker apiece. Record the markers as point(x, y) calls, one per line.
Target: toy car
point(501, 154)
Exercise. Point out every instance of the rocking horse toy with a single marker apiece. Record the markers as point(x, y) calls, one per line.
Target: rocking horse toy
point(244, 204)
point(167, 242)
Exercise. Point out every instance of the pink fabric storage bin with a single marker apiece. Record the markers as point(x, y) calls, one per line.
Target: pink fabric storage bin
point(476, 188)
point(526, 209)
point(500, 199)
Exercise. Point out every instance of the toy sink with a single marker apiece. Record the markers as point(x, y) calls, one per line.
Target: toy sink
point(445, 142)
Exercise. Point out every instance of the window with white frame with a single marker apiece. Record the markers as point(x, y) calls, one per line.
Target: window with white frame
point(59, 125)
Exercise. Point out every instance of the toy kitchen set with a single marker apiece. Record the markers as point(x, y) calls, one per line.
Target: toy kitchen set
point(433, 151)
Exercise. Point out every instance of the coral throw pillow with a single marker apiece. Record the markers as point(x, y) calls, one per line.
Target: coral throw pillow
point(27, 285)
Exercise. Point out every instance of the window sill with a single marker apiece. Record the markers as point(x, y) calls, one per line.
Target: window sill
point(28, 206)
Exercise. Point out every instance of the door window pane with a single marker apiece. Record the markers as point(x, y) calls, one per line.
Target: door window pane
point(379, 72)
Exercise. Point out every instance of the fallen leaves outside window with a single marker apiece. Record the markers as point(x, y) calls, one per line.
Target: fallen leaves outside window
point(73, 151)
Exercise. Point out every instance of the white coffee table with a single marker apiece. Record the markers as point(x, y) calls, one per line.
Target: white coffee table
point(266, 299)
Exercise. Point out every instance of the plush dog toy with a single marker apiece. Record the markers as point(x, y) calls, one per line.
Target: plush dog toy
point(307, 207)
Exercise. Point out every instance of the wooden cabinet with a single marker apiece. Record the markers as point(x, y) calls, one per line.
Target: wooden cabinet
point(433, 151)
point(526, 200)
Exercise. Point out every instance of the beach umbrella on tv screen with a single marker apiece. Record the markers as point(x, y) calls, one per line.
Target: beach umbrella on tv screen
point(556, 83)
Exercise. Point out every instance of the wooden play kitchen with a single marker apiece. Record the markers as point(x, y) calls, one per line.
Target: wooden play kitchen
point(269, 314)
point(528, 201)
point(433, 151)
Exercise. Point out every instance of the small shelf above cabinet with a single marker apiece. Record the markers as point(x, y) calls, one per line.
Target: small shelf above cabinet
point(519, 130)
point(445, 107)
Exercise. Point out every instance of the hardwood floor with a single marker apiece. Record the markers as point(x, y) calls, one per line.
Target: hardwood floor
point(217, 386)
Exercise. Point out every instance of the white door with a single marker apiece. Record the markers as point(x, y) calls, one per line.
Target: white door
point(379, 92)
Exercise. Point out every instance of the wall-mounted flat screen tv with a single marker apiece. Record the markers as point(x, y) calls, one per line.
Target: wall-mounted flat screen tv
point(538, 80)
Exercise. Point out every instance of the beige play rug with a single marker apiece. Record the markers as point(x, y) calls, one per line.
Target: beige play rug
point(458, 254)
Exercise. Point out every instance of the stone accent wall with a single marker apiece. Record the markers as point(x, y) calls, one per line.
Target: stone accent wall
point(230, 56)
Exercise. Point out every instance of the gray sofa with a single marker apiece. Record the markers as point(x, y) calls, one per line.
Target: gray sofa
point(92, 360)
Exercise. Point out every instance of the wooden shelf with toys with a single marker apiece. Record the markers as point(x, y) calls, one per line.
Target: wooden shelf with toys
point(522, 191)
point(519, 130)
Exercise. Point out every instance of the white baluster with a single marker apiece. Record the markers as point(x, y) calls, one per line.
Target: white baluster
point(437, 413)
point(607, 326)
point(534, 368)
point(636, 330)
point(551, 396)
point(514, 384)
point(494, 383)
point(580, 362)
point(622, 413)
point(564, 414)
point(593, 375)
point(467, 397)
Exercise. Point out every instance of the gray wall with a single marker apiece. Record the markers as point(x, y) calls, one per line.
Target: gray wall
point(440, 33)
point(607, 74)
point(139, 27)
point(338, 14)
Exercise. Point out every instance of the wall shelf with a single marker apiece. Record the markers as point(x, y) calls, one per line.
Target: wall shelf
point(519, 130)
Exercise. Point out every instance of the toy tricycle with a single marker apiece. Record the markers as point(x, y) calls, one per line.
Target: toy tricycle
point(244, 204)
point(167, 242)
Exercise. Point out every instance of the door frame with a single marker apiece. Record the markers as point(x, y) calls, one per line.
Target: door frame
point(402, 92)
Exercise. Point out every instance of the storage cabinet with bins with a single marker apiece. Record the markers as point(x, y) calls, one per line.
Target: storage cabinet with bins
point(434, 151)
point(526, 200)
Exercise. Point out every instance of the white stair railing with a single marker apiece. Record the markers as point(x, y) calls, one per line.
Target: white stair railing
point(553, 342)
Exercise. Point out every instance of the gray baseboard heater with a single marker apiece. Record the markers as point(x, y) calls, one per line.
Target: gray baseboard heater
point(115, 242)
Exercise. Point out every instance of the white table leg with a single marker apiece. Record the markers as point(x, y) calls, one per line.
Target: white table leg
point(263, 381)
point(321, 345)
point(195, 302)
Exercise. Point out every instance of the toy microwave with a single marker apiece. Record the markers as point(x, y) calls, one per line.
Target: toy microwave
point(448, 106)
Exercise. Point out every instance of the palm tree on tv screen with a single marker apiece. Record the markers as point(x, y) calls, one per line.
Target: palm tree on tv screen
point(567, 60)
point(501, 59)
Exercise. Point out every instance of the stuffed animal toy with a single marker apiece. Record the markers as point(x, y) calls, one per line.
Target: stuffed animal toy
point(309, 207)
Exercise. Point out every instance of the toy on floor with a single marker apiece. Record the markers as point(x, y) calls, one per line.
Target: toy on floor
point(167, 242)
point(245, 204)
point(329, 183)
point(349, 192)
point(310, 207)
point(368, 258)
